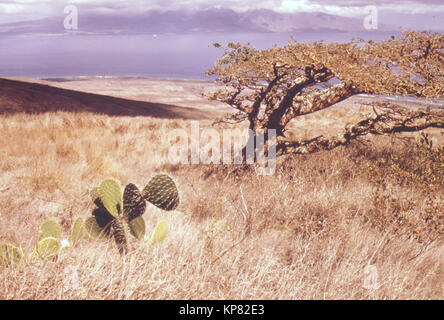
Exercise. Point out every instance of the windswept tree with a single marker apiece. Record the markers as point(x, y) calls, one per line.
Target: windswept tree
point(271, 87)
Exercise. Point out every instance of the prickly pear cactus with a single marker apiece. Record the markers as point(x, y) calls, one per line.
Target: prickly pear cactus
point(138, 228)
point(50, 228)
point(133, 203)
point(159, 232)
point(48, 248)
point(77, 231)
point(103, 219)
point(120, 232)
point(98, 227)
point(95, 195)
point(95, 231)
point(162, 192)
point(119, 214)
point(110, 193)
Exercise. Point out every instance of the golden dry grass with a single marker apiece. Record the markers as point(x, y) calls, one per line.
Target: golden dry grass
point(307, 232)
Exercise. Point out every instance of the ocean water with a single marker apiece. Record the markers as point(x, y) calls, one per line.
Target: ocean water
point(157, 56)
point(174, 56)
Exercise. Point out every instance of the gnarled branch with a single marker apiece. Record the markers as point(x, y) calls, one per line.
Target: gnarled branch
point(388, 118)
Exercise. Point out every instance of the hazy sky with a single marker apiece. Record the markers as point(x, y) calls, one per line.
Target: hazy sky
point(16, 10)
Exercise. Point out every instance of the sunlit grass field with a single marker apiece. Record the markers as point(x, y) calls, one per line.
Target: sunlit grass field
point(310, 231)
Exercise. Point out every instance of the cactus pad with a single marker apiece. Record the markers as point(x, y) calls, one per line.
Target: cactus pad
point(133, 204)
point(94, 230)
point(111, 196)
point(104, 219)
point(120, 235)
point(159, 232)
point(162, 192)
point(95, 194)
point(48, 248)
point(50, 228)
point(137, 228)
point(10, 254)
point(120, 213)
point(77, 231)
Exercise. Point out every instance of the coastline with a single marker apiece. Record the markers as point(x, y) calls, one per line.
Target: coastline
point(398, 99)
point(186, 92)
point(86, 78)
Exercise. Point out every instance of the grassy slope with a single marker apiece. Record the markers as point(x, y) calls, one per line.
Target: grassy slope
point(309, 231)
point(28, 97)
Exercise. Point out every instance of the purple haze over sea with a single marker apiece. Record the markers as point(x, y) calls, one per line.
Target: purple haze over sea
point(157, 56)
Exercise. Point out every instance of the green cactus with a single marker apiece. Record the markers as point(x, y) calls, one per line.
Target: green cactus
point(110, 193)
point(159, 232)
point(120, 234)
point(50, 228)
point(94, 230)
point(49, 241)
point(126, 216)
point(133, 204)
point(162, 192)
point(48, 248)
point(10, 254)
point(95, 194)
point(138, 228)
point(118, 214)
point(77, 231)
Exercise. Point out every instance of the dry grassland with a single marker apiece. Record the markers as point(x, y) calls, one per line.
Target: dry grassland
point(309, 231)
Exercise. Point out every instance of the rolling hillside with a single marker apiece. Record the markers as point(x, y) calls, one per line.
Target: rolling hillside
point(27, 97)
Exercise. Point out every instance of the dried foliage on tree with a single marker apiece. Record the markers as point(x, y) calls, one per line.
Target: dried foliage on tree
point(271, 87)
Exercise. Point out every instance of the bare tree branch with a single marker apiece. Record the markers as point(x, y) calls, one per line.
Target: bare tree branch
point(317, 101)
point(388, 119)
point(234, 118)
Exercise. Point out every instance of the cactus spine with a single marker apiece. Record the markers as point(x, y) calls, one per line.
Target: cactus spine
point(162, 192)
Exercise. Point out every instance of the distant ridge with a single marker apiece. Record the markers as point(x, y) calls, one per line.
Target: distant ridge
point(184, 21)
point(28, 97)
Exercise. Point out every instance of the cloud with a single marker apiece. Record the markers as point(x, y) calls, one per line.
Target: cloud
point(400, 6)
point(34, 9)
point(363, 3)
